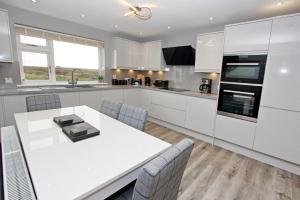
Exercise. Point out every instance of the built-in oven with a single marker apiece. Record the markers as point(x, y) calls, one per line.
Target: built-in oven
point(239, 101)
point(243, 68)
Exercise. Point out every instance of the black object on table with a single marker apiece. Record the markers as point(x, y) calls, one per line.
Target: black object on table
point(67, 120)
point(80, 131)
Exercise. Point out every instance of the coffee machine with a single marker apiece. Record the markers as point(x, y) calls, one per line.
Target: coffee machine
point(205, 85)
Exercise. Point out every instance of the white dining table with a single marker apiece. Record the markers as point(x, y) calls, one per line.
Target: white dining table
point(93, 168)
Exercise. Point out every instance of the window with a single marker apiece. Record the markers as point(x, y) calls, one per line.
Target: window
point(68, 55)
point(35, 66)
point(50, 56)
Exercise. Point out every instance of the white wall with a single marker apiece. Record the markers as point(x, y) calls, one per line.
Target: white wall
point(20, 16)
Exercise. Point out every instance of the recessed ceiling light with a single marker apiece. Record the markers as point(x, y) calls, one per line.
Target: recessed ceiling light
point(34, 1)
point(82, 15)
point(279, 3)
point(116, 26)
point(169, 27)
point(141, 33)
point(211, 18)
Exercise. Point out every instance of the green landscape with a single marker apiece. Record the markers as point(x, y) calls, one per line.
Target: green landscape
point(61, 73)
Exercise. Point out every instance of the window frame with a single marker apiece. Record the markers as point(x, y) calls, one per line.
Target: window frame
point(49, 50)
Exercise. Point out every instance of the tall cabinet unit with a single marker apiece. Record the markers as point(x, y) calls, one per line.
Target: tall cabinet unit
point(5, 38)
point(209, 54)
point(277, 131)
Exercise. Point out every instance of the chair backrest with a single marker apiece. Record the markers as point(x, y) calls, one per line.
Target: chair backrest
point(133, 116)
point(42, 102)
point(111, 109)
point(160, 178)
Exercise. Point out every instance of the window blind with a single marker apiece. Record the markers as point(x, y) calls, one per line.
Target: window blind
point(34, 32)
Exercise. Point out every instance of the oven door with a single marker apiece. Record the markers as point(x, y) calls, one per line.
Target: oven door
point(244, 69)
point(239, 101)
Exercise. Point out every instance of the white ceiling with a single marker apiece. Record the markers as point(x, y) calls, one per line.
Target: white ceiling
point(181, 15)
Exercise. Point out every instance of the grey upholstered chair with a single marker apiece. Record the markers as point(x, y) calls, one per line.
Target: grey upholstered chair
point(160, 178)
point(111, 109)
point(42, 102)
point(133, 116)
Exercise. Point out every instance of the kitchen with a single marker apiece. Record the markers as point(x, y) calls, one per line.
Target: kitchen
point(246, 72)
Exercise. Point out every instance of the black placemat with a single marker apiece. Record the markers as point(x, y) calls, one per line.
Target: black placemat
point(67, 120)
point(80, 131)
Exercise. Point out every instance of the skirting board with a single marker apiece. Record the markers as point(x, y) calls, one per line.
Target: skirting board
point(290, 167)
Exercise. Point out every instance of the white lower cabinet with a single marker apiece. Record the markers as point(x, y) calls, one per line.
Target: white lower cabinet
point(146, 96)
point(91, 99)
point(112, 95)
point(11, 105)
point(69, 99)
point(200, 115)
point(278, 135)
point(169, 100)
point(132, 97)
point(235, 131)
point(166, 114)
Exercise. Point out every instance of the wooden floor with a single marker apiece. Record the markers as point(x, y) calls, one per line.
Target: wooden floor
point(215, 173)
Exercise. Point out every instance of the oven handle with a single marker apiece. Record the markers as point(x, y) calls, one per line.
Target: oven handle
point(239, 92)
point(243, 64)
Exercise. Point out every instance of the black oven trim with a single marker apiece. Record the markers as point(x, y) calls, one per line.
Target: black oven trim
point(242, 88)
point(260, 59)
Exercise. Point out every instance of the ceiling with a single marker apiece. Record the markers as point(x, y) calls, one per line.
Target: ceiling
point(180, 15)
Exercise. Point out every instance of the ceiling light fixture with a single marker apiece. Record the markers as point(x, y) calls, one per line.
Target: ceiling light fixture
point(82, 15)
point(116, 26)
point(169, 27)
point(211, 18)
point(142, 12)
point(279, 3)
point(34, 1)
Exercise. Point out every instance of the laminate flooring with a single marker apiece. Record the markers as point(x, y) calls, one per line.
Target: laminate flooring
point(215, 173)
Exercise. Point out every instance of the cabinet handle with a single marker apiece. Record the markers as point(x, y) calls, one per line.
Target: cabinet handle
point(239, 92)
point(243, 64)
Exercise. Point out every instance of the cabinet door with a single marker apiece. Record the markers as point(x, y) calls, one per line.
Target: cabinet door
point(112, 95)
point(146, 96)
point(167, 114)
point(91, 99)
point(200, 115)
point(278, 135)
point(281, 83)
point(121, 50)
point(209, 54)
point(236, 131)
point(13, 104)
point(5, 41)
point(253, 36)
point(154, 55)
point(132, 97)
point(174, 101)
point(69, 99)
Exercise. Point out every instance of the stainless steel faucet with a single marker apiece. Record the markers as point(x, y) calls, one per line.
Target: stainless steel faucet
point(72, 81)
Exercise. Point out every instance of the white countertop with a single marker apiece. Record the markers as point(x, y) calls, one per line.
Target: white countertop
point(61, 169)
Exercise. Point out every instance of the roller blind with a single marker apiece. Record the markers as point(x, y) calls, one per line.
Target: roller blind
point(34, 32)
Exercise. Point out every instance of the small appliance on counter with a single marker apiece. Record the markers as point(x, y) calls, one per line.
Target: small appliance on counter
point(119, 82)
point(205, 86)
point(164, 84)
point(147, 81)
point(134, 81)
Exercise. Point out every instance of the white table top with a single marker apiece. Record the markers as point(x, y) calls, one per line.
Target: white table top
point(61, 169)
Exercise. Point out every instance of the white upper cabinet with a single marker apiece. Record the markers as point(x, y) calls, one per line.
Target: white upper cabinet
point(134, 55)
point(282, 83)
point(277, 134)
point(5, 40)
point(209, 53)
point(152, 55)
point(247, 37)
